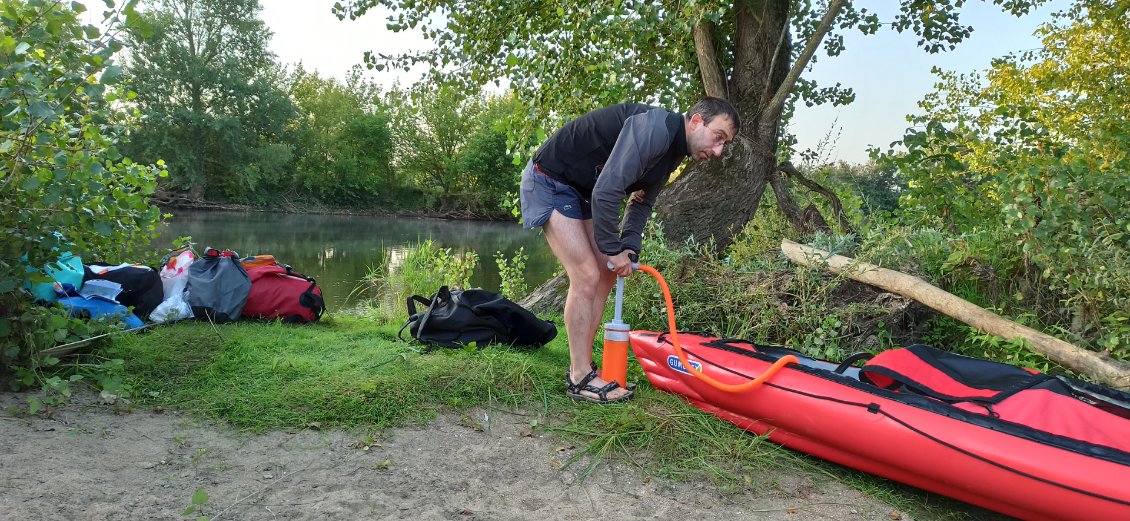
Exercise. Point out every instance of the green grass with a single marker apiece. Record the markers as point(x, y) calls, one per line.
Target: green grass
point(352, 372)
point(343, 372)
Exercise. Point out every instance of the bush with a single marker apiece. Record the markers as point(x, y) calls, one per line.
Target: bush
point(1026, 170)
point(67, 187)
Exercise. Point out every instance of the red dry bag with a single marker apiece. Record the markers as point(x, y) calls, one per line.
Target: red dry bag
point(277, 292)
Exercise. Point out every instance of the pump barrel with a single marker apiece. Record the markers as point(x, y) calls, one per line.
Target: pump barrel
point(614, 366)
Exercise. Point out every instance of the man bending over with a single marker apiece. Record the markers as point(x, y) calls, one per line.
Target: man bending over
point(573, 189)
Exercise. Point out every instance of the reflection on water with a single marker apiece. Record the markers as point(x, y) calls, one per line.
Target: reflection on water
point(338, 250)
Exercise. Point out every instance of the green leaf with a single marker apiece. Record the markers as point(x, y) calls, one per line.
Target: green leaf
point(199, 497)
point(39, 109)
point(104, 228)
point(78, 7)
point(54, 27)
point(34, 405)
point(511, 60)
point(30, 184)
point(111, 73)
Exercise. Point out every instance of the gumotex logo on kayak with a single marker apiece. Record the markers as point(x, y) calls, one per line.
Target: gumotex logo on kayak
point(674, 363)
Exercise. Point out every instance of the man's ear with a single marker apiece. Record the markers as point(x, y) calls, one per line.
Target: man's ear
point(697, 121)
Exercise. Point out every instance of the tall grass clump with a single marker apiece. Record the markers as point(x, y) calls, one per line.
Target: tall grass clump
point(415, 270)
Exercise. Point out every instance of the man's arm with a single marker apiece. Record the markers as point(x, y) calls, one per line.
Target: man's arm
point(636, 215)
point(642, 142)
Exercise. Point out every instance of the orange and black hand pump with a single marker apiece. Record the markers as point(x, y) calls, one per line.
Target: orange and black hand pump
point(614, 363)
point(616, 341)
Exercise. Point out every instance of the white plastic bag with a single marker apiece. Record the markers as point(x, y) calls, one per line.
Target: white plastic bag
point(174, 280)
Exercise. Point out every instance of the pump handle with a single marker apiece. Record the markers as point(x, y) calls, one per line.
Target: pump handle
point(634, 257)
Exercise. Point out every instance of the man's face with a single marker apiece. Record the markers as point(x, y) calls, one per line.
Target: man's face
point(705, 141)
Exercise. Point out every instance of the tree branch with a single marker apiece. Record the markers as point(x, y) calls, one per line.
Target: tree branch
point(786, 204)
point(786, 87)
point(838, 208)
point(712, 78)
point(1105, 370)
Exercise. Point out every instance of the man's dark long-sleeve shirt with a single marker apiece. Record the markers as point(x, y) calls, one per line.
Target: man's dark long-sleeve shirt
point(611, 152)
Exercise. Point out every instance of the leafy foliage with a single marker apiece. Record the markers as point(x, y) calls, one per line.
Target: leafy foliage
point(343, 139)
point(491, 172)
point(569, 56)
point(512, 271)
point(418, 270)
point(1032, 163)
point(457, 147)
point(877, 188)
point(210, 94)
point(65, 184)
point(429, 149)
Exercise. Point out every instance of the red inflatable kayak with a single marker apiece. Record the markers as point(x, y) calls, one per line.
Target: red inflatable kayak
point(1022, 443)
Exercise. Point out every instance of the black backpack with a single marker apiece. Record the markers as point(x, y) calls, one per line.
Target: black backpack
point(454, 318)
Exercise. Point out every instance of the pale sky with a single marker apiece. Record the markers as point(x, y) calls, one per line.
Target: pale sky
point(888, 72)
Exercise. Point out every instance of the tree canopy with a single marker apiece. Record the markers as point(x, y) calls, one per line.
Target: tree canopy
point(205, 81)
point(564, 57)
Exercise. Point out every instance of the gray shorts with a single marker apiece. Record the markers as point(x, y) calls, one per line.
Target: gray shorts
point(541, 195)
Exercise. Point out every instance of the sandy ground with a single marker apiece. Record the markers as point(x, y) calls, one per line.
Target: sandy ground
point(84, 462)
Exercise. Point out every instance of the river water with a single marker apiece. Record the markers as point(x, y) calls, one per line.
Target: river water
point(339, 250)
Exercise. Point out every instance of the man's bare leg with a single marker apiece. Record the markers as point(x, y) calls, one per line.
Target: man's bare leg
point(607, 281)
point(589, 283)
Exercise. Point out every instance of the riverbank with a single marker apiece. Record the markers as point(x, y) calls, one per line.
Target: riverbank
point(341, 419)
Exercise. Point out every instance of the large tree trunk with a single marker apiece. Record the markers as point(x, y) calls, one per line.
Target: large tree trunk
point(717, 198)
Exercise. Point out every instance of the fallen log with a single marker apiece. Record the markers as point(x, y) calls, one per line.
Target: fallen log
point(1107, 371)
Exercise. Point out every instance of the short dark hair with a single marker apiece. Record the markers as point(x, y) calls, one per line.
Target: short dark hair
point(710, 107)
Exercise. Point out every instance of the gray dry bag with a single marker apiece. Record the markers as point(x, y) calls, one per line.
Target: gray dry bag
point(218, 286)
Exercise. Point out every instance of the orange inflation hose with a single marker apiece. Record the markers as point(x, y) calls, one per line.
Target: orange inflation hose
point(730, 388)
